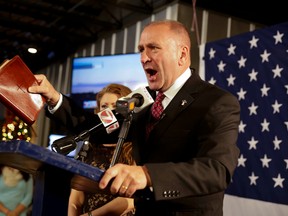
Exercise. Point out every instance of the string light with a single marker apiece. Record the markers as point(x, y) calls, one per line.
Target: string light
point(16, 129)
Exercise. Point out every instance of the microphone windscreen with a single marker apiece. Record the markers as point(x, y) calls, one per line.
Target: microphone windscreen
point(147, 98)
point(64, 145)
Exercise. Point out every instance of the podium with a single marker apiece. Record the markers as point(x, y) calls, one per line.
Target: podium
point(52, 173)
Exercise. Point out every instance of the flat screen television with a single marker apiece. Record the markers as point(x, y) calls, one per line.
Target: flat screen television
point(91, 74)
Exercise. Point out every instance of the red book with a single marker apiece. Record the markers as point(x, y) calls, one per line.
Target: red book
point(15, 79)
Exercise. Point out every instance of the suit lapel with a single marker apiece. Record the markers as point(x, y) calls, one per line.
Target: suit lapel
point(183, 99)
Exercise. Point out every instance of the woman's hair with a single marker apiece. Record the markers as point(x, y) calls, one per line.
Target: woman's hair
point(113, 88)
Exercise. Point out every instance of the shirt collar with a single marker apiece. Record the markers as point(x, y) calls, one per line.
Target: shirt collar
point(179, 82)
point(173, 90)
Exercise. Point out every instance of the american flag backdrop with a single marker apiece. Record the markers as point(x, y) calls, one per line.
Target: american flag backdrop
point(254, 67)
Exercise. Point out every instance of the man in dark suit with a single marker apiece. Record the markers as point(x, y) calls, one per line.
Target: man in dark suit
point(186, 161)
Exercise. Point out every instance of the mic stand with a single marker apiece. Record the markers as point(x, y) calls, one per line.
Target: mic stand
point(67, 144)
point(82, 151)
point(121, 138)
point(144, 194)
point(140, 195)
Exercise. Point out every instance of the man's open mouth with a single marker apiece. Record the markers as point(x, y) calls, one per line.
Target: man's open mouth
point(151, 72)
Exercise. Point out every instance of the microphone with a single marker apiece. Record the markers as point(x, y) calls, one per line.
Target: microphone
point(106, 120)
point(135, 101)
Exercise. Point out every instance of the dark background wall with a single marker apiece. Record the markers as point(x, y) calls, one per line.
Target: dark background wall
point(211, 26)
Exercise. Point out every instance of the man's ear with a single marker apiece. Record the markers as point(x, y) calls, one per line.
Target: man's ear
point(183, 56)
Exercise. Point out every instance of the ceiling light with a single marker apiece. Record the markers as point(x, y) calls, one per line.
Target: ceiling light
point(32, 50)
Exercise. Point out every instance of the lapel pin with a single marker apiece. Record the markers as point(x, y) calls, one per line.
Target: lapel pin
point(183, 102)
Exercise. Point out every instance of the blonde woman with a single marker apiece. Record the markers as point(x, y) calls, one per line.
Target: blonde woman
point(87, 200)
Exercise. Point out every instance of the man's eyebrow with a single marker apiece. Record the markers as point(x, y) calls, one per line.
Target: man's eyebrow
point(153, 44)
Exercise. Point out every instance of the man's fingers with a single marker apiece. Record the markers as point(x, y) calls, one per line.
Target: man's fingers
point(108, 175)
point(120, 179)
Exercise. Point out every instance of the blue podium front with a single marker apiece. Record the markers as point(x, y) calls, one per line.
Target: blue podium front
point(52, 173)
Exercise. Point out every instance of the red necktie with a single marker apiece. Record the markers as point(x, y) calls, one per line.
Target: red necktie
point(156, 111)
point(157, 107)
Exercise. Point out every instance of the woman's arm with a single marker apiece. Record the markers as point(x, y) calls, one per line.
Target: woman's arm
point(18, 210)
point(76, 200)
point(115, 207)
point(3, 208)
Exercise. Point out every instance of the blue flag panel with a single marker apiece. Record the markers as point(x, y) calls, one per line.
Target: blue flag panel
point(254, 67)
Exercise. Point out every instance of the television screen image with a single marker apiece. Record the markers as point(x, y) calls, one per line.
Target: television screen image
point(91, 74)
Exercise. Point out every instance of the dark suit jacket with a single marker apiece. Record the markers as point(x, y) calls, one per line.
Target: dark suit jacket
point(191, 153)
